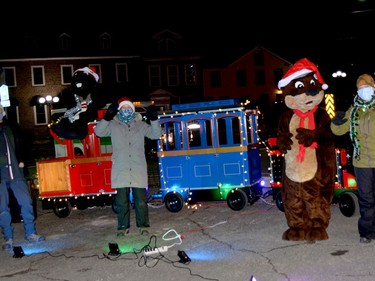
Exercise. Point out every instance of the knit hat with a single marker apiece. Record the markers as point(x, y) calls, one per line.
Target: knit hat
point(300, 69)
point(125, 101)
point(365, 79)
point(89, 71)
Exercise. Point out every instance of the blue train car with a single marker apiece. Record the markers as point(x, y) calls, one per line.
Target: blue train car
point(209, 151)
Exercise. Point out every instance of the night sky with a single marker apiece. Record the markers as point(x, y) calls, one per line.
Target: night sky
point(326, 31)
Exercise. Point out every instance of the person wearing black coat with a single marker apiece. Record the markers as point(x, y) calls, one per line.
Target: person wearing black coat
point(12, 178)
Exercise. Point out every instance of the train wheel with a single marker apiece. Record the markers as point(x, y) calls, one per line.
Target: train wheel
point(237, 199)
point(173, 202)
point(279, 201)
point(348, 204)
point(62, 209)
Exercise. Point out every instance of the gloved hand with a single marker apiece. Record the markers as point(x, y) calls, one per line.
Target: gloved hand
point(152, 113)
point(306, 136)
point(284, 142)
point(111, 112)
point(339, 118)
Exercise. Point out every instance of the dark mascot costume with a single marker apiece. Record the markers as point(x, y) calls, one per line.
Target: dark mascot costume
point(82, 100)
point(305, 139)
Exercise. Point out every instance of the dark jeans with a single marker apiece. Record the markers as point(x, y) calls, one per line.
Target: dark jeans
point(365, 178)
point(123, 207)
point(22, 194)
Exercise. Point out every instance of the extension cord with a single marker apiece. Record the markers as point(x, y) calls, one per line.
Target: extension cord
point(155, 251)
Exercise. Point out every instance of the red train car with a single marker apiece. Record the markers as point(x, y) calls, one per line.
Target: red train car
point(77, 180)
point(345, 185)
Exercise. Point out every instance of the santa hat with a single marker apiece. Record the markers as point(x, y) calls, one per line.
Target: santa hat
point(300, 69)
point(125, 101)
point(89, 71)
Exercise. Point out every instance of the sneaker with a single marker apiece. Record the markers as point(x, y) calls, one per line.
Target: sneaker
point(34, 238)
point(8, 245)
point(123, 232)
point(364, 240)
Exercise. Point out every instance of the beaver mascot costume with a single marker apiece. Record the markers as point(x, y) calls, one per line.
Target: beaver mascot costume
point(309, 167)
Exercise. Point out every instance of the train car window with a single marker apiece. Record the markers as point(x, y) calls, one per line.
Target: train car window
point(229, 130)
point(252, 128)
point(172, 136)
point(199, 133)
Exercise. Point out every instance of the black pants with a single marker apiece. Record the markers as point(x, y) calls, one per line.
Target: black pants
point(365, 178)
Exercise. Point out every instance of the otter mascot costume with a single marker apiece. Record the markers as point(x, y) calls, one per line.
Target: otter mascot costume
point(82, 101)
point(309, 168)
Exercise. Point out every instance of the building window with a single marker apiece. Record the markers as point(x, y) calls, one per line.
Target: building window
point(122, 72)
point(66, 74)
point(65, 42)
point(260, 78)
point(154, 76)
point(40, 114)
point(10, 76)
point(13, 113)
point(172, 75)
point(215, 79)
point(166, 45)
point(241, 78)
point(98, 70)
point(277, 75)
point(190, 74)
point(37, 75)
point(105, 41)
point(258, 58)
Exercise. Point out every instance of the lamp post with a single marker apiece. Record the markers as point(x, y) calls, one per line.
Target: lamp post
point(49, 101)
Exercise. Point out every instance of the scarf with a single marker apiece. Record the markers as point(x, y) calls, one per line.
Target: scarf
point(310, 125)
point(126, 118)
point(359, 104)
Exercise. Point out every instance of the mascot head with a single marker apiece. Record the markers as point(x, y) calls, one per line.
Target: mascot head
point(84, 80)
point(303, 86)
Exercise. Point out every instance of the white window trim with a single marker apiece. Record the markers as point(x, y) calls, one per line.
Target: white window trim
point(176, 76)
point(62, 72)
point(45, 112)
point(32, 75)
point(150, 79)
point(13, 68)
point(127, 76)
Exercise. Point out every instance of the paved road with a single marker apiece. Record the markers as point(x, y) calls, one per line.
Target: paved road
point(222, 244)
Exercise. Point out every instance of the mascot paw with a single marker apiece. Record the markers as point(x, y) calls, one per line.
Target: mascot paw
point(284, 142)
point(306, 136)
point(317, 233)
point(294, 234)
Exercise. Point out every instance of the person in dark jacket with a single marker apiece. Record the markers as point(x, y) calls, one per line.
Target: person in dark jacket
point(129, 167)
point(12, 177)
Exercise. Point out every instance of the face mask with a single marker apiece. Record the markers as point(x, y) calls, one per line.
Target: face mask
point(126, 113)
point(366, 93)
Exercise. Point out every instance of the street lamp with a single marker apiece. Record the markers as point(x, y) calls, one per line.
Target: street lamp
point(49, 100)
point(338, 74)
